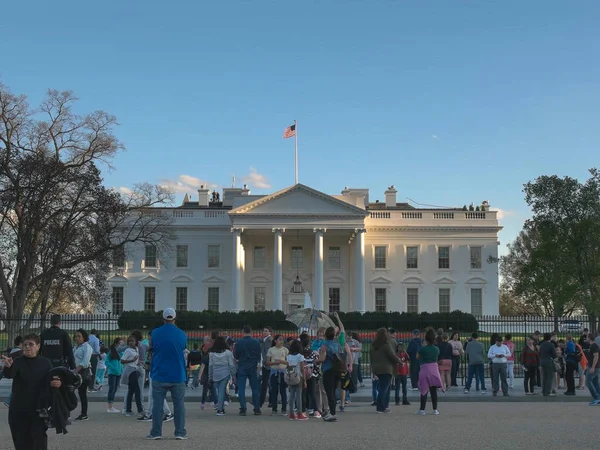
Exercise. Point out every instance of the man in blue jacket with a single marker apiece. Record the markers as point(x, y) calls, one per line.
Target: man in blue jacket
point(413, 347)
point(248, 354)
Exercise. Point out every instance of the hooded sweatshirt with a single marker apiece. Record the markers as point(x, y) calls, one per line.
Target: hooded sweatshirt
point(221, 365)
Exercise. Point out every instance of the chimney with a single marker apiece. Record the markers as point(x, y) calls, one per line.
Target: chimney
point(245, 190)
point(390, 197)
point(203, 196)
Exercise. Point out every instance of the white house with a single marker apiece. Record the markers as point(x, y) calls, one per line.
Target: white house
point(255, 252)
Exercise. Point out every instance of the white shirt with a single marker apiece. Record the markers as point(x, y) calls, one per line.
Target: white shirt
point(295, 360)
point(128, 355)
point(501, 350)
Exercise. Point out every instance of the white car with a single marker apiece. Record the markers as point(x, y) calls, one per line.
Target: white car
point(571, 326)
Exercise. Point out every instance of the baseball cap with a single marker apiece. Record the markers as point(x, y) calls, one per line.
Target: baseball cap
point(416, 331)
point(169, 314)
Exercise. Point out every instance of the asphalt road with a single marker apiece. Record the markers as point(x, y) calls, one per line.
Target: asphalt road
point(488, 426)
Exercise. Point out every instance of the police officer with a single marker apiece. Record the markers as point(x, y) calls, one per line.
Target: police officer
point(56, 344)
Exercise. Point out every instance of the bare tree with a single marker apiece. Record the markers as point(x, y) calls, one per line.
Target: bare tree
point(58, 223)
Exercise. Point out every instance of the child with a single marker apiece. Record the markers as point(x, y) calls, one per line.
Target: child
point(131, 375)
point(402, 374)
point(101, 368)
point(295, 361)
point(560, 375)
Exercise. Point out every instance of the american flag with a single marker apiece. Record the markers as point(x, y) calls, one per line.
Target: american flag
point(289, 131)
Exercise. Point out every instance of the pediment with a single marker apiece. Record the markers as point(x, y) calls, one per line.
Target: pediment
point(444, 280)
point(335, 279)
point(299, 200)
point(149, 279)
point(213, 279)
point(413, 280)
point(476, 280)
point(259, 279)
point(117, 279)
point(381, 280)
point(182, 279)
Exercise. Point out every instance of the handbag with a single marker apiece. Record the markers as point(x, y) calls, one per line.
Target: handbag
point(557, 367)
point(86, 377)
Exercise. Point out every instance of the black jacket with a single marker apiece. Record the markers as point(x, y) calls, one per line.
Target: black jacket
point(56, 404)
point(56, 346)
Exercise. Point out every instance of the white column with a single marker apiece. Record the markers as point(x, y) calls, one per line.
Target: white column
point(236, 287)
point(277, 272)
point(359, 270)
point(318, 288)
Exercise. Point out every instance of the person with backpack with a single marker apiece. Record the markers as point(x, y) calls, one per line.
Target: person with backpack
point(295, 379)
point(413, 348)
point(333, 362)
point(572, 358)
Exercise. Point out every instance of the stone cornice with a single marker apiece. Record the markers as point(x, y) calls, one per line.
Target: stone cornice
point(436, 229)
point(299, 215)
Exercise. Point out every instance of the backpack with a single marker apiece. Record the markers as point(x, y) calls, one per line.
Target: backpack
point(292, 376)
point(338, 358)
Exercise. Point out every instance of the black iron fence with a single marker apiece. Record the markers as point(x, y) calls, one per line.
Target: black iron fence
point(521, 327)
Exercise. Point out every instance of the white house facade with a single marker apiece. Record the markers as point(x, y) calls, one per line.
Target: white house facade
point(249, 252)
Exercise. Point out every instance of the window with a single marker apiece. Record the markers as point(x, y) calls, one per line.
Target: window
point(182, 256)
point(334, 299)
point(213, 299)
point(444, 298)
point(297, 258)
point(475, 257)
point(259, 299)
point(443, 257)
point(477, 302)
point(380, 300)
point(150, 257)
point(117, 300)
point(214, 256)
point(119, 257)
point(150, 299)
point(412, 257)
point(334, 258)
point(412, 300)
point(260, 258)
point(380, 257)
point(181, 298)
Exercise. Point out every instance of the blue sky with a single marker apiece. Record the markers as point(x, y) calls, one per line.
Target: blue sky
point(451, 101)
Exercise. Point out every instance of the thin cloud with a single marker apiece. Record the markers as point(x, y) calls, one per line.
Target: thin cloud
point(435, 137)
point(125, 190)
point(502, 213)
point(256, 180)
point(186, 184)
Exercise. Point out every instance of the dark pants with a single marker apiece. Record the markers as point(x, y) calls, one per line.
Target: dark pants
point(383, 395)
point(529, 380)
point(538, 377)
point(134, 390)
point(94, 364)
point(206, 388)
point(499, 371)
point(549, 372)
point(309, 398)
point(28, 430)
point(252, 377)
point(278, 386)
point(331, 379)
point(359, 373)
point(455, 369)
point(434, 399)
point(82, 391)
point(401, 382)
point(571, 368)
point(264, 385)
point(415, 368)
point(113, 385)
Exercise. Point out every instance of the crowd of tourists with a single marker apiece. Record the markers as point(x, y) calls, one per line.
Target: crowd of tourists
point(299, 377)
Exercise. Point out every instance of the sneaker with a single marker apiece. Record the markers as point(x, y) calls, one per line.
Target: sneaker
point(405, 402)
point(225, 403)
point(113, 411)
point(466, 391)
point(595, 403)
point(302, 416)
point(292, 416)
point(242, 412)
point(436, 412)
point(342, 409)
point(317, 415)
point(484, 391)
point(387, 410)
point(181, 438)
point(168, 417)
point(397, 402)
point(220, 413)
point(127, 414)
point(145, 418)
point(81, 418)
point(420, 413)
point(283, 413)
point(528, 393)
point(202, 406)
point(153, 438)
point(257, 412)
point(374, 404)
point(274, 412)
point(329, 418)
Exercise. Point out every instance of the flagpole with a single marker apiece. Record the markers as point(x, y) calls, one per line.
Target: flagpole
point(296, 151)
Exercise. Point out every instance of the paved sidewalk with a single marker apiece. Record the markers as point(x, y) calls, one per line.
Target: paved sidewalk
point(364, 394)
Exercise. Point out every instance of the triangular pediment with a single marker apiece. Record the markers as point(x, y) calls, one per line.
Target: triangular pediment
point(299, 200)
point(444, 280)
point(381, 280)
point(149, 279)
point(182, 279)
point(213, 279)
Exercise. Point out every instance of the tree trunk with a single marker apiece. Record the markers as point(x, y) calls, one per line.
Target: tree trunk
point(593, 326)
point(13, 327)
point(555, 320)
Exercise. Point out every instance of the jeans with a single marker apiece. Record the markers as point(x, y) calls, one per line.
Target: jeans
point(113, 385)
point(570, 369)
point(383, 396)
point(251, 376)
point(359, 372)
point(134, 390)
point(278, 386)
point(454, 372)
point(220, 388)
point(264, 385)
point(159, 393)
point(331, 379)
point(593, 384)
point(499, 370)
point(510, 372)
point(100, 376)
point(401, 382)
point(478, 371)
point(529, 380)
point(166, 409)
point(295, 398)
point(415, 368)
point(375, 390)
point(309, 395)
